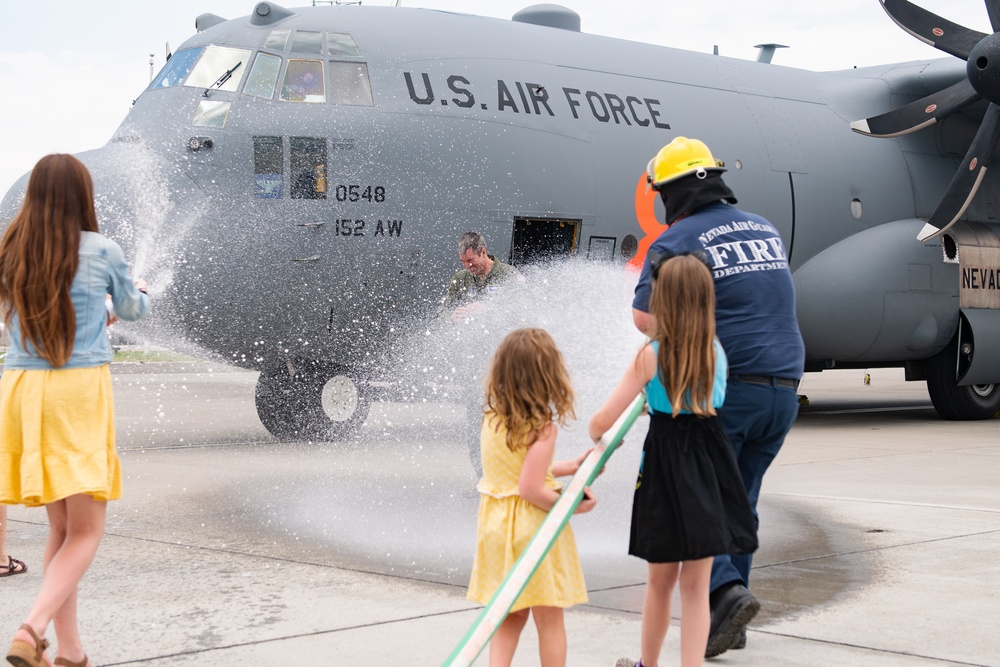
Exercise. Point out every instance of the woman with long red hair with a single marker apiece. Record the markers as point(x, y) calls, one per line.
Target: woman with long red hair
point(57, 432)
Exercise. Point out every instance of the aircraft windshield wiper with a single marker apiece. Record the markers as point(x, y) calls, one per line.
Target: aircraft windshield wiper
point(222, 79)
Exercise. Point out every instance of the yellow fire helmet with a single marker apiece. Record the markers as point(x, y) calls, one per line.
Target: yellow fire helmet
point(681, 157)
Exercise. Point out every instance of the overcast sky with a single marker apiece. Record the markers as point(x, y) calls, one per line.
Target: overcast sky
point(69, 70)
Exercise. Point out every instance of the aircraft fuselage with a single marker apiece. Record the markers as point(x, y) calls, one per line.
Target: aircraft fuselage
point(310, 218)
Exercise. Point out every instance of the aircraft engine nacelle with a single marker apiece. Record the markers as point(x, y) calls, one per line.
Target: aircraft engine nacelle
point(915, 291)
point(931, 307)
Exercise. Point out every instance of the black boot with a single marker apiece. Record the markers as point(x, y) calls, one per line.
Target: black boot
point(732, 608)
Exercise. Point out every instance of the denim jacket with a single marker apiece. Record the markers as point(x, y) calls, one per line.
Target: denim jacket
point(102, 271)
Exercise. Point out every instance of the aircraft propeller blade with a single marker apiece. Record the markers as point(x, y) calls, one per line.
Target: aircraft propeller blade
point(966, 182)
point(993, 9)
point(981, 52)
point(932, 29)
point(918, 115)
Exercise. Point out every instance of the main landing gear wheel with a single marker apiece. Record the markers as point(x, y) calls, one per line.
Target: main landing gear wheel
point(979, 401)
point(311, 400)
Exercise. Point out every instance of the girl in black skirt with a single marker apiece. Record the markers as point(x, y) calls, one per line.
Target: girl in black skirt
point(689, 502)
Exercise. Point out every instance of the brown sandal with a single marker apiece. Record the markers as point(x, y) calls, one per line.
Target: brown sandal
point(69, 663)
point(23, 654)
point(13, 566)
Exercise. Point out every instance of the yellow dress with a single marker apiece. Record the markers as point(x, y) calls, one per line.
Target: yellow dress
point(507, 523)
point(57, 436)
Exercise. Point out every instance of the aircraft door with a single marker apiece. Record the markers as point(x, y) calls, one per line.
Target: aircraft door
point(541, 239)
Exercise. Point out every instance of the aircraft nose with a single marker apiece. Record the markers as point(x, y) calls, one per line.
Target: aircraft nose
point(123, 174)
point(141, 201)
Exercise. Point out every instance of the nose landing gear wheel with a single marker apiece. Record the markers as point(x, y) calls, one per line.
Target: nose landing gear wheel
point(340, 398)
point(311, 400)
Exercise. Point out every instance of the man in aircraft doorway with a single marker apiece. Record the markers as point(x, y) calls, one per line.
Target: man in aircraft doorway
point(483, 274)
point(758, 329)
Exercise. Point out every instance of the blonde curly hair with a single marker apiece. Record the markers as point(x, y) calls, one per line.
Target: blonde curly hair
point(528, 386)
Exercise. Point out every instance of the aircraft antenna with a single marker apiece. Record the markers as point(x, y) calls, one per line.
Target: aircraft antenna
point(151, 66)
point(767, 52)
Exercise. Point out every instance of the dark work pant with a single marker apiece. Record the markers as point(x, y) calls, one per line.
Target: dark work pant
point(756, 419)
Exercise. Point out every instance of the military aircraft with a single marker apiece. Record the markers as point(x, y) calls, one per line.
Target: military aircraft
point(308, 171)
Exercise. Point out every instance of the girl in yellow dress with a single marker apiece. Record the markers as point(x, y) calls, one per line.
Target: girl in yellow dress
point(57, 429)
point(527, 394)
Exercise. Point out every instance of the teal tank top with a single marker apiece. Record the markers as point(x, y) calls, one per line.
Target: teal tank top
point(656, 393)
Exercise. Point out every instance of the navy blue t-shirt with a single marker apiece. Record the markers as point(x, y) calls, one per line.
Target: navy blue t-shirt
point(754, 296)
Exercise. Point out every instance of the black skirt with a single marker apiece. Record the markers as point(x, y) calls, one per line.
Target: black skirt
point(689, 502)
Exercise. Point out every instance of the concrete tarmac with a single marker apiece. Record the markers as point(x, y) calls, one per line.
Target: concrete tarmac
point(880, 529)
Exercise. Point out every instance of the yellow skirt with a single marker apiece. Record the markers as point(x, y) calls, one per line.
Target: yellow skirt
point(57, 436)
point(506, 526)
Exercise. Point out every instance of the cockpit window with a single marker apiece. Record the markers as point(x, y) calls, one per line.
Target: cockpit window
point(277, 40)
point(263, 76)
point(341, 44)
point(220, 67)
point(303, 81)
point(176, 69)
point(306, 41)
point(349, 84)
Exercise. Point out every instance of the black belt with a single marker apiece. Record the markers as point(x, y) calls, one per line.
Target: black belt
point(766, 380)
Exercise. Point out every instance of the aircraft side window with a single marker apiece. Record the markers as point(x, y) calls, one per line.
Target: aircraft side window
point(341, 44)
point(307, 41)
point(221, 67)
point(349, 84)
point(277, 40)
point(308, 167)
point(268, 167)
point(263, 76)
point(176, 69)
point(303, 81)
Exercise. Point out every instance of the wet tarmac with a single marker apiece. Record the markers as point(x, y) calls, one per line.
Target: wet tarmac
point(880, 529)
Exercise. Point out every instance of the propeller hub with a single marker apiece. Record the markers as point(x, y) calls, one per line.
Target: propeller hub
point(983, 67)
